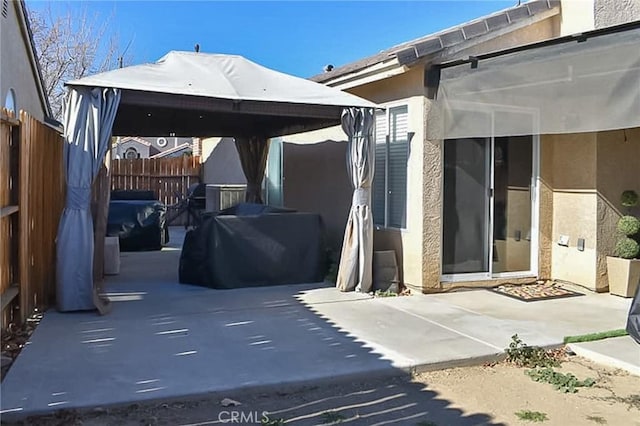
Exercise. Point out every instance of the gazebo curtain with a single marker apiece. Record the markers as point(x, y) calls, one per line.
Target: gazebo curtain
point(355, 270)
point(89, 117)
point(253, 152)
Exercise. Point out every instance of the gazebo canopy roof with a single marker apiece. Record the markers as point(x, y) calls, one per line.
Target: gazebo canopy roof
point(200, 94)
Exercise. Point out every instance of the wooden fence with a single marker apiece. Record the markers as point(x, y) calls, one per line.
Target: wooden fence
point(169, 178)
point(31, 202)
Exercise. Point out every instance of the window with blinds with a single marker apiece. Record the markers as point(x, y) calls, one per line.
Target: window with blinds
point(390, 177)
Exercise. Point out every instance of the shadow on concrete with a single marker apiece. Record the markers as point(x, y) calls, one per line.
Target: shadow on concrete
point(165, 341)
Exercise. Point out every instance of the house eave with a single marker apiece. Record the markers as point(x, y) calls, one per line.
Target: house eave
point(27, 35)
point(370, 74)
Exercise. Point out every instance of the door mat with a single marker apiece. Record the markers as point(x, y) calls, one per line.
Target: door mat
point(534, 292)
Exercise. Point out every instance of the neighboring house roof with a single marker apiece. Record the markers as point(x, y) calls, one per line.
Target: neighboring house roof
point(132, 138)
point(23, 17)
point(173, 150)
point(439, 43)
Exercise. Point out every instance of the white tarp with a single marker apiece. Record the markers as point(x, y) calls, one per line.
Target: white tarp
point(89, 115)
point(356, 260)
point(572, 87)
point(220, 76)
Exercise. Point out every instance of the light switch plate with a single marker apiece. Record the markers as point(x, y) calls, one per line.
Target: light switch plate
point(564, 240)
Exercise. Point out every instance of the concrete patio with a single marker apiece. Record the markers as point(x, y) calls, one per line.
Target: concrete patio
point(168, 340)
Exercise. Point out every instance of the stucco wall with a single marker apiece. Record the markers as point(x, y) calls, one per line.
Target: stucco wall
point(588, 173)
point(316, 180)
point(538, 31)
point(15, 66)
point(618, 156)
point(221, 164)
point(574, 207)
point(613, 12)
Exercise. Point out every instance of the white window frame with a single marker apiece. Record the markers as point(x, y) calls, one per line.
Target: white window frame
point(387, 115)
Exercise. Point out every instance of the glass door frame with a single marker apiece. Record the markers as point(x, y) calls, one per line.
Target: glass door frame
point(534, 188)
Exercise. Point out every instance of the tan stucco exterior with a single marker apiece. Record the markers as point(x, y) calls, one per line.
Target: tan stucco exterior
point(583, 177)
point(17, 68)
point(577, 189)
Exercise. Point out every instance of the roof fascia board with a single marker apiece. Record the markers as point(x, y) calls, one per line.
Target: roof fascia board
point(450, 53)
point(376, 72)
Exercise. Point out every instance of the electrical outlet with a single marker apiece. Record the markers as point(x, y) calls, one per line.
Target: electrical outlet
point(580, 244)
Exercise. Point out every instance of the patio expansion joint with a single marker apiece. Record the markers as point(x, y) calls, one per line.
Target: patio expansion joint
point(460, 333)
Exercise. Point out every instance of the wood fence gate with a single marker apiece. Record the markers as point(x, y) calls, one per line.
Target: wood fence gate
point(31, 203)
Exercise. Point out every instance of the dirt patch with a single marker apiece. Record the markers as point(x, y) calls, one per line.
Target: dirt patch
point(488, 395)
point(13, 340)
point(504, 389)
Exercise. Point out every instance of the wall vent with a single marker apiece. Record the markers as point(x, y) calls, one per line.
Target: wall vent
point(5, 8)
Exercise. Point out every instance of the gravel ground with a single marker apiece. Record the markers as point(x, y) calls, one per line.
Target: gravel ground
point(483, 395)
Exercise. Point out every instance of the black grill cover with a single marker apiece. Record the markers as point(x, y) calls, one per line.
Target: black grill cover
point(231, 251)
point(139, 224)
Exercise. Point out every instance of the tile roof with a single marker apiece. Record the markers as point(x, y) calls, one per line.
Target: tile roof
point(413, 50)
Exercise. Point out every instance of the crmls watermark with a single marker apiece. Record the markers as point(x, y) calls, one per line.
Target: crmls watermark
point(241, 417)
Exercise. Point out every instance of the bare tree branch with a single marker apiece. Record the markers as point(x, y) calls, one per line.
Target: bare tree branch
point(70, 46)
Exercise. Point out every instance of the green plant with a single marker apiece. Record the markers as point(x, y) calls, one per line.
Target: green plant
point(426, 423)
point(331, 417)
point(597, 419)
point(629, 225)
point(266, 421)
point(627, 248)
point(523, 355)
point(385, 293)
point(595, 336)
point(567, 383)
point(629, 198)
point(531, 416)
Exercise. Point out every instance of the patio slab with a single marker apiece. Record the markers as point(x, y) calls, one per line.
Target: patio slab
point(165, 340)
point(618, 352)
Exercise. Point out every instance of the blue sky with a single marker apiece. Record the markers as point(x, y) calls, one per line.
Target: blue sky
point(296, 37)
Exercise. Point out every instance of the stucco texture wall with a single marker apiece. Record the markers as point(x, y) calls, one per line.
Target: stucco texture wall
point(574, 207)
point(618, 170)
point(614, 12)
point(16, 71)
point(584, 174)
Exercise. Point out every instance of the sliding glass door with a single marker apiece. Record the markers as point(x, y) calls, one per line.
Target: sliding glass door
point(488, 207)
point(466, 224)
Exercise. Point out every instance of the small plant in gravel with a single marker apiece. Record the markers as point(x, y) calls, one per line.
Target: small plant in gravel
point(385, 293)
point(532, 416)
point(597, 419)
point(332, 417)
point(267, 421)
point(567, 383)
point(523, 355)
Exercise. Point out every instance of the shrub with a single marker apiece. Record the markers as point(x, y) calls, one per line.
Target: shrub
point(627, 248)
point(629, 199)
point(629, 225)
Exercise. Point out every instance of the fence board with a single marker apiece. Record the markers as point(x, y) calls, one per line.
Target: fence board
point(168, 178)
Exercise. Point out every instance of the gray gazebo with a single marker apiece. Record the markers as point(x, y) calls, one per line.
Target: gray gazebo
point(198, 94)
